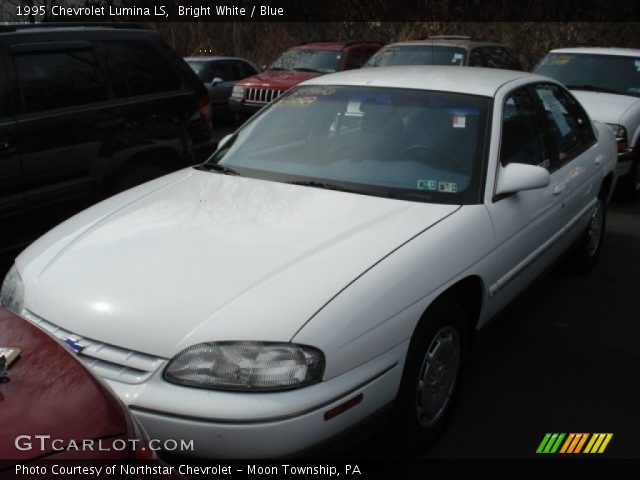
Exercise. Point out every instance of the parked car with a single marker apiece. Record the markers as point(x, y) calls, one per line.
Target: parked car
point(219, 75)
point(296, 65)
point(332, 258)
point(47, 391)
point(606, 81)
point(87, 112)
point(447, 50)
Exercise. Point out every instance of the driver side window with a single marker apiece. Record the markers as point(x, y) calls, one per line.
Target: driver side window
point(522, 134)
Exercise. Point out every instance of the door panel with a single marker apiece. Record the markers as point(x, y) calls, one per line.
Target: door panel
point(576, 158)
point(57, 91)
point(526, 223)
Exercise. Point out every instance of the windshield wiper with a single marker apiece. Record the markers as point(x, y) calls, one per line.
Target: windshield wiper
point(593, 88)
point(325, 186)
point(218, 168)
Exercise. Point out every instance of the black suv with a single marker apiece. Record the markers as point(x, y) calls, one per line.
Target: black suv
point(85, 112)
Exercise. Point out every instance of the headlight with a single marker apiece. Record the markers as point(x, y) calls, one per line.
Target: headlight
point(246, 366)
point(12, 293)
point(237, 92)
point(621, 137)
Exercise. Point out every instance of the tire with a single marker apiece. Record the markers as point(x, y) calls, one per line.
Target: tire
point(589, 244)
point(134, 175)
point(421, 409)
point(628, 188)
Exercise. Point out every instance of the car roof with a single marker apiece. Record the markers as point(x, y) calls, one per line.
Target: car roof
point(470, 80)
point(212, 58)
point(625, 52)
point(331, 45)
point(447, 42)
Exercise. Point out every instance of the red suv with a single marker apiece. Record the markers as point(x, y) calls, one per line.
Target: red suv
point(297, 65)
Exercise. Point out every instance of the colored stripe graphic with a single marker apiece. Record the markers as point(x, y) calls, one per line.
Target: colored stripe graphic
point(550, 443)
point(574, 442)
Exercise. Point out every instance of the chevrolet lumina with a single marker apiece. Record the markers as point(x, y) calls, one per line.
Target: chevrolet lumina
point(332, 259)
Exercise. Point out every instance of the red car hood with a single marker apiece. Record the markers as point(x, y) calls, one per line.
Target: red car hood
point(50, 393)
point(278, 79)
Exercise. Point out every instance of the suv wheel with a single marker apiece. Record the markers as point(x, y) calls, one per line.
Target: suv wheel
point(431, 375)
point(134, 175)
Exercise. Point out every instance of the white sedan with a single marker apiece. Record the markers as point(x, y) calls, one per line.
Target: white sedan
point(331, 259)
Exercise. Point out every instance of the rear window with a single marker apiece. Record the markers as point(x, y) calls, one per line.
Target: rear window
point(140, 70)
point(417, 55)
point(59, 79)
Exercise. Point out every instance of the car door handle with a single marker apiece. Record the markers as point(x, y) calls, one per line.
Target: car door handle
point(598, 159)
point(559, 188)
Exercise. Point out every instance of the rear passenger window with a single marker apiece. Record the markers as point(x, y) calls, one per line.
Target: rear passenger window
point(522, 134)
point(494, 57)
point(59, 79)
point(142, 69)
point(564, 126)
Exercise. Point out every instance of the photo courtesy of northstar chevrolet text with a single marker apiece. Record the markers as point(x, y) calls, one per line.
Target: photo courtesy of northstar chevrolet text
point(232, 236)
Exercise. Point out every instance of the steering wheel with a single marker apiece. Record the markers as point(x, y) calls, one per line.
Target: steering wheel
point(432, 156)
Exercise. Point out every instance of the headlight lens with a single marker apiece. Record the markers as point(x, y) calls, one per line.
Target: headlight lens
point(246, 366)
point(237, 92)
point(12, 293)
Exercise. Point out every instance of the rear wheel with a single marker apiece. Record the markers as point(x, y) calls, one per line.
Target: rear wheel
point(590, 243)
point(431, 375)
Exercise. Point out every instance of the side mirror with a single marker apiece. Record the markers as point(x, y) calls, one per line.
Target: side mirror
point(216, 81)
point(517, 177)
point(264, 67)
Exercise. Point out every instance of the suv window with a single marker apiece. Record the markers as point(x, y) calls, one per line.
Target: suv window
point(564, 127)
point(143, 70)
point(59, 79)
point(522, 133)
point(494, 57)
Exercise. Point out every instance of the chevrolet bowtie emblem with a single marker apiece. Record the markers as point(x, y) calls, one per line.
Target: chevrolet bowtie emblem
point(74, 344)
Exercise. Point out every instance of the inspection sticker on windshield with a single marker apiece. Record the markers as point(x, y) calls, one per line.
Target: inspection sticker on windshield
point(427, 185)
point(447, 187)
point(637, 64)
point(459, 121)
point(457, 57)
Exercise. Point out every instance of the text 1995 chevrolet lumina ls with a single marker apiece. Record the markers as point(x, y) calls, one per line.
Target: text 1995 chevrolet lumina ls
point(331, 259)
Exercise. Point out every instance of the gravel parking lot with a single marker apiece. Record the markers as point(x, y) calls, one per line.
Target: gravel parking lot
point(564, 358)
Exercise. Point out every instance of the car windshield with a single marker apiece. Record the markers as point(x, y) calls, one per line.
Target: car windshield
point(411, 144)
point(308, 60)
point(605, 73)
point(203, 70)
point(417, 55)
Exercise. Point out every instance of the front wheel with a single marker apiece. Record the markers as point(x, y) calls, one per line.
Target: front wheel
point(431, 375)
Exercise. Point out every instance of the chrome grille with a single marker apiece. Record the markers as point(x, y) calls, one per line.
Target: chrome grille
point(262, 95)
point(106, 361)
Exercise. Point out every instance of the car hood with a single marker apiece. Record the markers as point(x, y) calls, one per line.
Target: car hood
point(51, 393)
point(278, 79)
point(605, 107)
point(198, 256)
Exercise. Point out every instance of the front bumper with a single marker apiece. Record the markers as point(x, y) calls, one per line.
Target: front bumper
point(244, 109)
point(261, 425)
